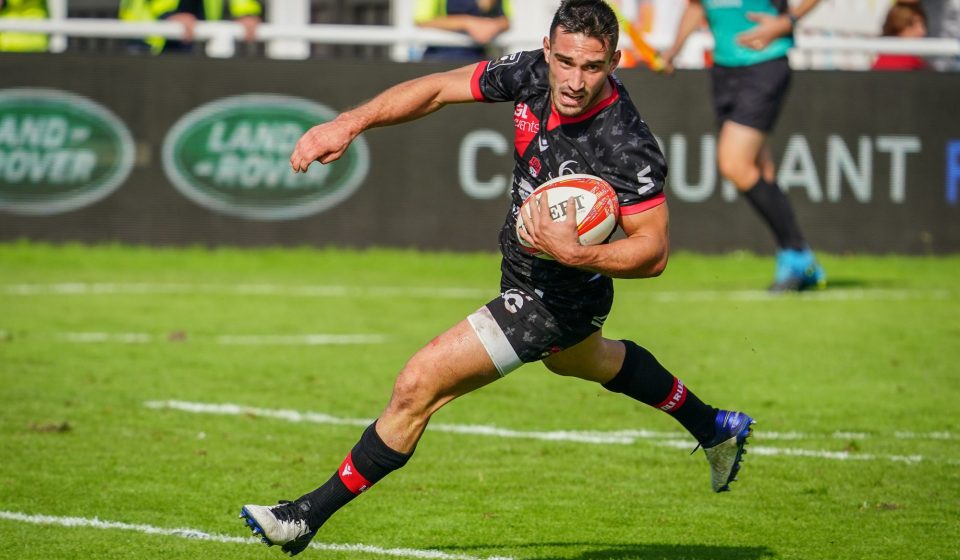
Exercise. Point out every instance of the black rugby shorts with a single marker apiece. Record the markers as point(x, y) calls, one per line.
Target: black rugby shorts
point(520, 326)
point(750, 95)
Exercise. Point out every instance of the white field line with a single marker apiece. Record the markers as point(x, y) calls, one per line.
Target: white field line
point(430, 292)
point(819, 454)
point(332, 291)
point(305, 339)
point(230, 340)
point(196, 534)
point(841, 294)
point(621, 437)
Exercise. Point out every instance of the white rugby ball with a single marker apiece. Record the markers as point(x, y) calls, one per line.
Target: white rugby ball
point(597, 207)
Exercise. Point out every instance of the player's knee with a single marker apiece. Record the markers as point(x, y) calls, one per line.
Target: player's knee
point(742, 173)
point(412, 392)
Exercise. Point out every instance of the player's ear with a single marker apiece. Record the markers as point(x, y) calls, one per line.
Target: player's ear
point(614, 60)
point(546, 47)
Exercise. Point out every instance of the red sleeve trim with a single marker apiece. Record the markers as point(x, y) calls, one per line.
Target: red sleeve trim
point(475, 81)
point(643, 206)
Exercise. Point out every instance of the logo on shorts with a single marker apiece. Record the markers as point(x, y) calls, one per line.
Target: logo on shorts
point(233, 157)
point(59, 151)
point(513, 300)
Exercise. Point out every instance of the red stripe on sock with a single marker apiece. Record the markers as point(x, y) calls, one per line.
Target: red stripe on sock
point(353, 480)
point(675, 400)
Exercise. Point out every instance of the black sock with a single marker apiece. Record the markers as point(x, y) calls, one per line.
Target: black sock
point(644, 379)
point(369, 461)
point(775, 209)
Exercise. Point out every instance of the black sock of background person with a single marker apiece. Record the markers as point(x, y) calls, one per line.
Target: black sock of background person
point(369, 461)
point(775, 209)
point(643, 378)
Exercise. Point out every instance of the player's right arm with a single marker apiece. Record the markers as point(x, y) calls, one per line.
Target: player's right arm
point(403, 102)
point(693, 17)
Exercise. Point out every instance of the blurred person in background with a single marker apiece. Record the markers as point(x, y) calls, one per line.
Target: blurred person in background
point(187, 12)
point(12, 41)
point(482, 20)
point(140, 11)
point(943, 21)
point(750, 78)
point(906, 20)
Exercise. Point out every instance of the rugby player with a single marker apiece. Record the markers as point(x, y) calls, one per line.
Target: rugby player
point(572, 116)
point(750, 78)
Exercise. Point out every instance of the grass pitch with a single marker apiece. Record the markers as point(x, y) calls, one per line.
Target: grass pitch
point(856, 453)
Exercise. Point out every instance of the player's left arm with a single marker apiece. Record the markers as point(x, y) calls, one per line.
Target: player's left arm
point(403, 102)
point(770, 28)
point(642, 254)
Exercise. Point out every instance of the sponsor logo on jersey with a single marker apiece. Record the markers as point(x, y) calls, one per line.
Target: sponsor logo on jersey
point(58, 151)
point(527, 125)
point(534, 166)
point(505, 60)
point(233, 157)
point(646, 183)
point(544, 146)
point(568, 167)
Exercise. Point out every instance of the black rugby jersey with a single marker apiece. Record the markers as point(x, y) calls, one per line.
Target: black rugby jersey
point(610, 141)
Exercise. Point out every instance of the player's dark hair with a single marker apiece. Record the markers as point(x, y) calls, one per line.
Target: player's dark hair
point(593, 18)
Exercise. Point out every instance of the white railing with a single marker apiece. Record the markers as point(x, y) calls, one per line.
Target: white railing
point(221, 37)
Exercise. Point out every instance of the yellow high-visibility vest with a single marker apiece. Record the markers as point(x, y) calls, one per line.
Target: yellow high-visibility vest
point(426, 10)
point(11, 41)
point(153, 10)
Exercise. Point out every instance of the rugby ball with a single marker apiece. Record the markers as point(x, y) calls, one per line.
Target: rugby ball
point(597, 208)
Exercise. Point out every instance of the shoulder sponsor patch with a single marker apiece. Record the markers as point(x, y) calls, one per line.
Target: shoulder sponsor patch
point(505, 60)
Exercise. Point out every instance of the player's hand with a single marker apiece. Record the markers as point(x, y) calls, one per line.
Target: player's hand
point(769, 27)
point(667, 57)
point(189, 22)
point(325, 143)
point(557, 239)
point(483, 30)
point(249, 24)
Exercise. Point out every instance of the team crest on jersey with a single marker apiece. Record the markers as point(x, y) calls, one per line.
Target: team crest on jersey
point(534, 166)
point(505, 60)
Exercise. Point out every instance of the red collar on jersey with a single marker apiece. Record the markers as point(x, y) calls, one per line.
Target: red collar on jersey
point(556, 119)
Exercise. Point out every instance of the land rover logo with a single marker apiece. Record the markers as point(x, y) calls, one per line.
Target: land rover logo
point(58, 151)
point(233, 156)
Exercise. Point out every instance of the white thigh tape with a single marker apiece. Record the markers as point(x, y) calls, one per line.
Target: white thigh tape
point(494, 341)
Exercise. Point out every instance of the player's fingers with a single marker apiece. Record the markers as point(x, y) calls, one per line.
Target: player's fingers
point(572, 210)
point(529, 222)
point(543, 208)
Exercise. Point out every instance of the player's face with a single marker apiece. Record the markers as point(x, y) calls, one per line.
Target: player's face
point(579, 66)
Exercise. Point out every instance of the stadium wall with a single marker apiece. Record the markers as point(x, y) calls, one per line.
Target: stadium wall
point(188, 150)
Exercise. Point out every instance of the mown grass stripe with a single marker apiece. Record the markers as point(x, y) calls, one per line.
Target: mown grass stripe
point(454, 292)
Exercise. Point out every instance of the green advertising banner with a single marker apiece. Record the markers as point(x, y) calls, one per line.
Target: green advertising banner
point(183, 150)
point(233, 156)
point(58, 151)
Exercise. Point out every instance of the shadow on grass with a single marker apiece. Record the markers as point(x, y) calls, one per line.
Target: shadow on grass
point(855, 283)
point(589, 551)
point(669, 552)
